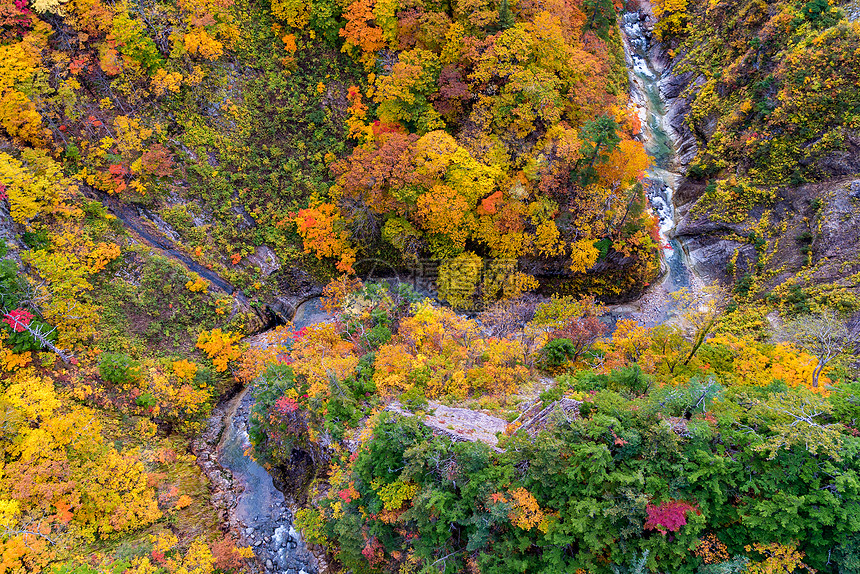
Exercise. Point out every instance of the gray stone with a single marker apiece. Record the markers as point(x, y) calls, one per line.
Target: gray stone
point(672, 85)
point(709, 256)
point(458, 424)
point(266, 259)
point(199, 220)
point(280, 535)
point(162, 225)
point(244, 221)
point(854, 189)
point(269, 564)
point(707, 127)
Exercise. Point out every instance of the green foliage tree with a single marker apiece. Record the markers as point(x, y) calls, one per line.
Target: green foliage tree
point(601, 17)
point(599, 138)
point(506, 17)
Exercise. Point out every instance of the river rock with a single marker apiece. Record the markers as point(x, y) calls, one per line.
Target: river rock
point(269, 564)
point(854, 189)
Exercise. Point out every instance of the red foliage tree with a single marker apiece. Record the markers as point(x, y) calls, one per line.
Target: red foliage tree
point(669, 516)
point(18, 319)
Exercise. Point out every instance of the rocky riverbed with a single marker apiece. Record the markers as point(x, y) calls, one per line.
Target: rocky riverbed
point(252, 508)
point(655, 93)
point(251, 505)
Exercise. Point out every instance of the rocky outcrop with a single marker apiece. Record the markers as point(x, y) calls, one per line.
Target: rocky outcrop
point(458, 424)
point(710, 256)
point(821, 218)
point(265, 259)
point(678, 107)
point(844, 162)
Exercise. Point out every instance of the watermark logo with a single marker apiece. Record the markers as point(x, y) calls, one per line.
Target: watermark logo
point(420, 275)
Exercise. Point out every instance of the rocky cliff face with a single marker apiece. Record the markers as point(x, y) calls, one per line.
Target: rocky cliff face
point(809, 236)
point(809, 231)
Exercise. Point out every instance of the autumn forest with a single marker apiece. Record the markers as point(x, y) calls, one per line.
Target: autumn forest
point(429, 286)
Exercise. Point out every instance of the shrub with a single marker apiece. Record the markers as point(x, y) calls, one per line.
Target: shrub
point(557, 353)
point(414, 400)
point(119, 369)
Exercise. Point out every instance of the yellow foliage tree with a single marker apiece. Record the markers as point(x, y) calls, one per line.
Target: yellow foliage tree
point(116, 497)
point(198, 42)
point(759, 364)
point(442, 210)
point(220, 346)
point(163, 82)
point(185, 369)
point(104, 492)
point(62, 297)
point(526, 513)
point(583, 255)
point(777, 558)
point(322, 355)
point(296, 13)
point(43, 6)
point(36, 187)
point(176, 399)
point(19, 63)
point(671, 17)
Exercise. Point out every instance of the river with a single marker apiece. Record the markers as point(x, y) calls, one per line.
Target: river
point(646, 76)
point(261, 512)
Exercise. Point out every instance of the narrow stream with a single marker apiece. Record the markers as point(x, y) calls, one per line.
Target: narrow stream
point(265, 515)
point(646, 73)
